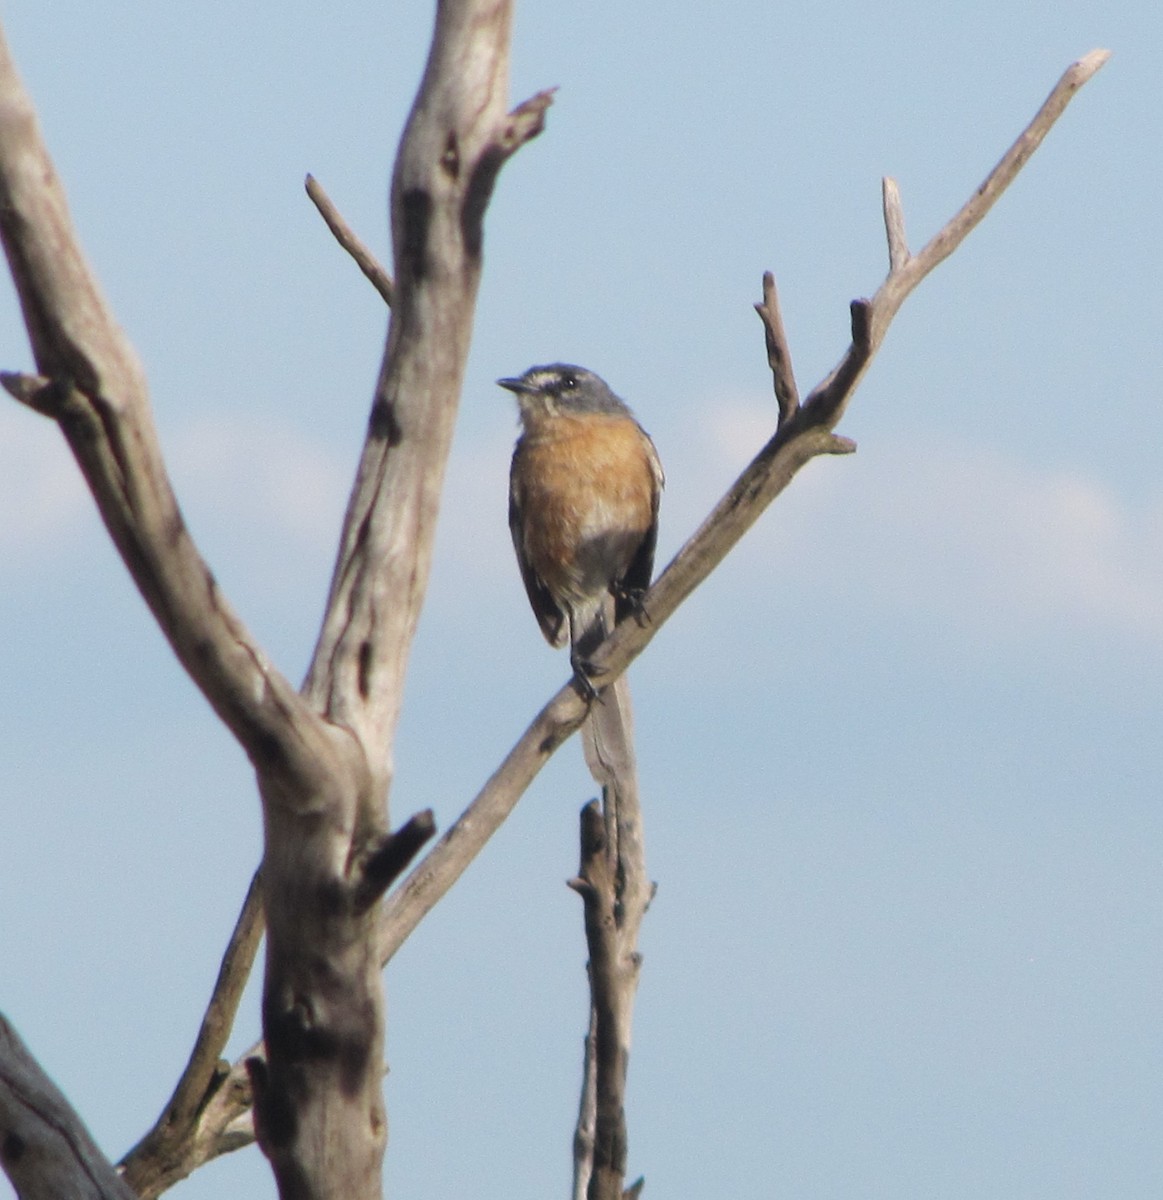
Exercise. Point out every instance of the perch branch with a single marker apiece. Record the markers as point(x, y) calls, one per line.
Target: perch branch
point(796, 442)
point(45, 1149)
point(342, 652)
point(364, 258)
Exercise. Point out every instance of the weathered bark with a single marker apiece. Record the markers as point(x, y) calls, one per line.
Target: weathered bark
point(616, 891)
point(322, 757)
point(803, 431)
point(45, 1149)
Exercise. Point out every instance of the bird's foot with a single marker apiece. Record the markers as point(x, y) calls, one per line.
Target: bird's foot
point(583, 673)
point(633, 598)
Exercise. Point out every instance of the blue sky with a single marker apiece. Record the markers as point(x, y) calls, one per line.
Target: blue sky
point(900, 755)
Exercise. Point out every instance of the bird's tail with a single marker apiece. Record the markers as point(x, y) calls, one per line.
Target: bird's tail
point(608, 732)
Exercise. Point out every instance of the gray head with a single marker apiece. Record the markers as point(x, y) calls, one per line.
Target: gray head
point(561, 387)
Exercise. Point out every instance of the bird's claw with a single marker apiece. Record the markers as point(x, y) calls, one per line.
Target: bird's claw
point(583, 670)
point(634, 597)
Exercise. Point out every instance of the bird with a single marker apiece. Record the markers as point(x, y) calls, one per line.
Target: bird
point(584, 491)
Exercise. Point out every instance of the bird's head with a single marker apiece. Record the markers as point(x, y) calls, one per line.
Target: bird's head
point(562, 388)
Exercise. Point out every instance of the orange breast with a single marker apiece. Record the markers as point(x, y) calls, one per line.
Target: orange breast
point(587, 490)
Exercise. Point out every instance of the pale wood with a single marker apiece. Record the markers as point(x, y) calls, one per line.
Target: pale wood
point(616, 891)
point(796, 442)
point(587, 1114)
point(610, 990)
point(783, 377)
point(346, 237)
point(323, 757)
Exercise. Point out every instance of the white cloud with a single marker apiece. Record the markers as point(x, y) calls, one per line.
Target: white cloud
point(272, 479)
point(266, 475)
point(992, 545)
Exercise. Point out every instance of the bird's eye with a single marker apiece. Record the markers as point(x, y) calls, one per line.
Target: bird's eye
point(568, 382)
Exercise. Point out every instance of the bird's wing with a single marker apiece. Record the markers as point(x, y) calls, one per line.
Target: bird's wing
point(549, 616)
point(638, 574)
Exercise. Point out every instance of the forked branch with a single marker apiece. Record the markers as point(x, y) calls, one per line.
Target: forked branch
point(806, 433)
point(322, 756)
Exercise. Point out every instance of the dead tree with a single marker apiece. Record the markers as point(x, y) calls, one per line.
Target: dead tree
point(322, 753)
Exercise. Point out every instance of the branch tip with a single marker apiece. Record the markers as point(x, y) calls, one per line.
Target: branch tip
point(861, 311)
point(526, 121)
point(894, 224)
point(37, 392)
point(343, 234)
point(1090, 63)
point(778, 351)
point(389, 856)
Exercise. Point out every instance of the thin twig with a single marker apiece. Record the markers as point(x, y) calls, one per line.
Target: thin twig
point(894, 224)
point(364, 258)
point(583, 1134)
point(160, 1158)
point(778, 351)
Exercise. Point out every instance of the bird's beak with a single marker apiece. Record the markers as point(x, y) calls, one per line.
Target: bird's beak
point(519, 386)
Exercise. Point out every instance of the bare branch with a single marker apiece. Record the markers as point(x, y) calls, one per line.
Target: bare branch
point(323, 758)
point(318, 1094)
point(389, 856)
point(608, 741)
point(364, 258)
point(587, 1112)
point(898, 286)
point(894, 224)
point(91, 383)
point(457, 138)
point(33, 391)
point(795, 443)
point(778, 351)
point(613, 979)
point(45, 1149)
point(177, 1144)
